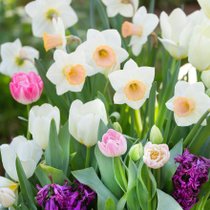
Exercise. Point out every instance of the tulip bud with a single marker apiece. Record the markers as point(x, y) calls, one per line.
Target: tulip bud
point(26, 88)
point(7, 197)
point(136, 152)
point(117, 127)
point(155, 135)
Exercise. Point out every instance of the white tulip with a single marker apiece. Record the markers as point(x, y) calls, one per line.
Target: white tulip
point(199, 49)
point(40, 118)
point(189, 103)
point(143, 24)
point(27, 151)
point(205, 76)
point(132, 84)
point(42, 13)
point(16, 58)
point(125, 8)
point(103, 50)
point(177, 30)
point(69, 71)
point(7, 197)
point(205, 5)
point(84, 121)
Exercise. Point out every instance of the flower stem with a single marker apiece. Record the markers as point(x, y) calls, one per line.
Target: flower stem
point(28, 136)
point(138, 122)
point(87, 159)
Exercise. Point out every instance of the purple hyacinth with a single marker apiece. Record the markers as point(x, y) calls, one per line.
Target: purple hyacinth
point(57, 197)
point(191, 173)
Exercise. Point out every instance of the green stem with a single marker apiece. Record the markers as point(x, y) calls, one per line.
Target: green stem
point(87, 159)
point(152, 6)
point(138, 122)
point(28, 136)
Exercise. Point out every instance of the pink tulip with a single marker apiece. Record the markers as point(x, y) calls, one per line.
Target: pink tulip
point(26, 87)
point(113, 144)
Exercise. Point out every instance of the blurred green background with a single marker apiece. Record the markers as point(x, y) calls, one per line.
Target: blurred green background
point(14, 23)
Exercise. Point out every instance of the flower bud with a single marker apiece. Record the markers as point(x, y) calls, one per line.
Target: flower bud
point(136, 152)
point(26, 88)
point(7, 197)
point(155, 135)
point(117, 127)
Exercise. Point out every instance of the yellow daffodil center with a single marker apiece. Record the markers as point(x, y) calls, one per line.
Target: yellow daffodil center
point(75, 74)
point(104, 56)
point(52, 41)
point(129, 29)
point(19, 61)
point(13, 187)
point(126, 1)
point(183, 106)
point(52, 13)
point(135, 90)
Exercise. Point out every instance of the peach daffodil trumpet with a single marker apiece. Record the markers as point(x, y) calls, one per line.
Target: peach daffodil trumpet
point(113, 144)
point(26, 88)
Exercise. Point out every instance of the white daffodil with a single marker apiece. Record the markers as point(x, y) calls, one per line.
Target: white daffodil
point(177, 30)
point(125, 8)
point(42, 13)
point(199, 49)
point(28, 152)
point(188, 73)
point(132, 84)
point(103, 50)
point(205, 6)
point(8, 192)
point(84, 121)
point(40, 118)
point(142, 26)
point(58, 38)
point(69, 71)
point(16, 58)
point(189, 103)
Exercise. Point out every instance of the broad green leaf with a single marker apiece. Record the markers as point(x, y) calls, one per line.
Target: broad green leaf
point(54, 153)
point(168, 170)
point(89, 177)
point(110, 204)
point(64, 139)
point(165, 201)
point(121, 203)
point(47, 173)
point(25, 186)
point(107, 173)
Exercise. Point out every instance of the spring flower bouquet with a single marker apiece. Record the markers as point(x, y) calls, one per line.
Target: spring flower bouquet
point(124, 123)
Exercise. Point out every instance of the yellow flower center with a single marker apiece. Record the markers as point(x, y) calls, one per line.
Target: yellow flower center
point(129, 29)
point(52, 13)
point(75, 74)
point(104, 56)
point(154, 155)
point(183, 106)
point(19, 61)
point(135, 90)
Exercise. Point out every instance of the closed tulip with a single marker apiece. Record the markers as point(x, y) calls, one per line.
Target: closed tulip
point(40, 118)
point(28, 152)
point(84, 121)
point(26, 88)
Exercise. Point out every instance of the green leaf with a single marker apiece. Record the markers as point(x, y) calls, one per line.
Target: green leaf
point(89, 177)
point(64, 139)
point(25, 186)
point(121, 203)
point(54, 153)
point(107, 173)
point(119, 173)
point(110, 204)
point(168, 170)
point(44, 173)
point(165, 201)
